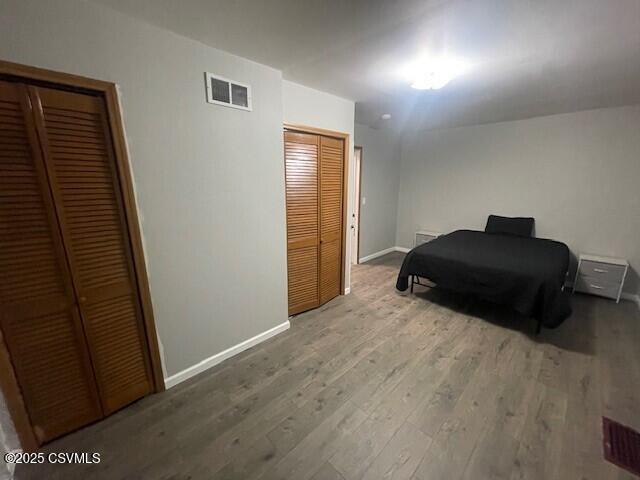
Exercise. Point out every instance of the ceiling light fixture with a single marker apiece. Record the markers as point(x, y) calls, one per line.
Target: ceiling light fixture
point(386, 116)
point(434, 73)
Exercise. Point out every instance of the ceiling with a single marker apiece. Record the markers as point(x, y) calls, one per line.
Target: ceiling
point(528, 57)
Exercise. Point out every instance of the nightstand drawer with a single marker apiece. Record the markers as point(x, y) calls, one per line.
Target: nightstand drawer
point(603, 272)
point(596, 286)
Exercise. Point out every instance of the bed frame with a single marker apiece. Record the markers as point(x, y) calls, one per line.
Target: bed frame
point(415, 280)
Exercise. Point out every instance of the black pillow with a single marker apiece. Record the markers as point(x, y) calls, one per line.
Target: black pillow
point(519, 226)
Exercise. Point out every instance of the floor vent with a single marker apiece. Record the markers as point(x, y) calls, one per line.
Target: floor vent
point(621, 445)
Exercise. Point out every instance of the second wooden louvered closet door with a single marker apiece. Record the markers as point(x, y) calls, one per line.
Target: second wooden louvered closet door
point(76, 143)
point(314, 176)
point(301, 172)
point(331, 186)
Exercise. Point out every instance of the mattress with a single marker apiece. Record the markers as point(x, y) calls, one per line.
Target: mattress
point(526, 273)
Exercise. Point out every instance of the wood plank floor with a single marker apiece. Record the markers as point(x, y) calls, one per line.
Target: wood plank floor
point(380, 385)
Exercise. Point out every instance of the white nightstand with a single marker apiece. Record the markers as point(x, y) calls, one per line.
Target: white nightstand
point(424, 236)
point(602, 276)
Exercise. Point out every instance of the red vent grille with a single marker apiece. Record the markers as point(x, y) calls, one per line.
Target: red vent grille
point(621, 445)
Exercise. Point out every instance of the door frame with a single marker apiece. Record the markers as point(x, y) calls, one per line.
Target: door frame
point(109, 92)
point(291, 127)
point(359, 199)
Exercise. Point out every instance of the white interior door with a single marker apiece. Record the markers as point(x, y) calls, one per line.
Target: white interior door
point(355, 218)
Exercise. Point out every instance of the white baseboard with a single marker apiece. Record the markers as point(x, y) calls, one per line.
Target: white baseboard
point(383, 252)
point(10, 467)
point(377, 254)
point(214, 360)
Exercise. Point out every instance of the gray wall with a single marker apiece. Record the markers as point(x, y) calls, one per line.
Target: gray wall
point(578, 174)
point(209, 179)
point(379, 184)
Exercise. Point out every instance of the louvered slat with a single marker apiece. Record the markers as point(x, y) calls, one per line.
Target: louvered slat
point(303, 278)
point(301, 173)
point(79, 156)
point(331, 188)
point(38, 316)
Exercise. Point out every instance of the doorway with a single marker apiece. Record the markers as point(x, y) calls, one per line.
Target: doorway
point(355, 216)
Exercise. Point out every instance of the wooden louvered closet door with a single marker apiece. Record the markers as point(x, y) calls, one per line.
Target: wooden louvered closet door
point(331, 187)
point(314, 189)
point(301, 175)
point(39, 317)
point(76, 143)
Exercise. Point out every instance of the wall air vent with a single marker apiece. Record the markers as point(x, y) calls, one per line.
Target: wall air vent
point(229, 93)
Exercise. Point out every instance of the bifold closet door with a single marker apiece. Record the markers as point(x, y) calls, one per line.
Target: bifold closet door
point(301, 178)
point(39, 319)
point(331, 188)
point(74, 133)
point(314, 166)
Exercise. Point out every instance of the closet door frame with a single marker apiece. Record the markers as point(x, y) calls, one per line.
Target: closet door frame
point(108, 91)
point(290, 127)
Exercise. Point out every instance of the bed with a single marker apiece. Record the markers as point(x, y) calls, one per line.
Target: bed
point(497, 265)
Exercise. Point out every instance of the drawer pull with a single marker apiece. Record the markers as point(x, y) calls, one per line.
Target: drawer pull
point(597, 287)
point(600, 270)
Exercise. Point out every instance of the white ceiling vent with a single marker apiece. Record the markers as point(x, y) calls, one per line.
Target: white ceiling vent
point(229, 93)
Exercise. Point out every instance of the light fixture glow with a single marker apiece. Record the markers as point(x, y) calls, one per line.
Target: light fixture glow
point(434, 73)
point(386, 116)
